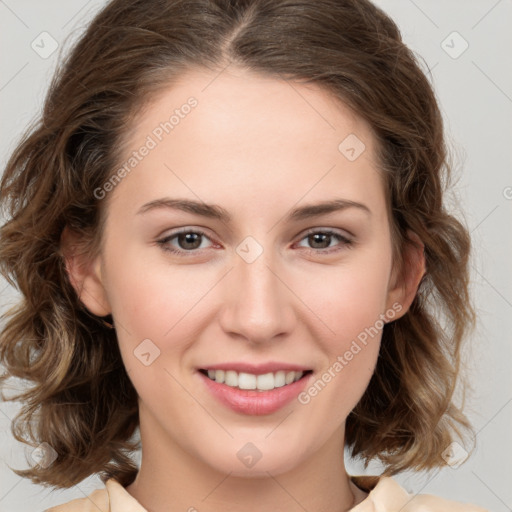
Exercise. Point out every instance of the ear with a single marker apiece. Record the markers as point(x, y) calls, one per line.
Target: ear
point(404, 285)
point(84, 273)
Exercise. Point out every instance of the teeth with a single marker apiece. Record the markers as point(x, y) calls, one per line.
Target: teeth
point(246, 381)
point(263, 382)
point(279, 379)
point(231, 378)
point(289, 377)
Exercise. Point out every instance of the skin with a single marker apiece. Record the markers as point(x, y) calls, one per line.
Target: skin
point(258, 147)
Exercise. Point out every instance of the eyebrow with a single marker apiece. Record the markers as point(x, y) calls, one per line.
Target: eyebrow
point(214, 211)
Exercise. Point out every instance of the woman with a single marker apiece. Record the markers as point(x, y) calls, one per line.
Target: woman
point(229, 232)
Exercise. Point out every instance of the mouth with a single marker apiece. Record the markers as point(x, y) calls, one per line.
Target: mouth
point(256, 382)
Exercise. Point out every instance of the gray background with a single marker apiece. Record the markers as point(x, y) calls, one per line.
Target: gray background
point(475, 93)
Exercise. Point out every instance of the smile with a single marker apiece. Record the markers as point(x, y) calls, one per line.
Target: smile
point(259, 393)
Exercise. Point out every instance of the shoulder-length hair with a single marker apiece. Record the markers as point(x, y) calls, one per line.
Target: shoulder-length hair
point(81, 401)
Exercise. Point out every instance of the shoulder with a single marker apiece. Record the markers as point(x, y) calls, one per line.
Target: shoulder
point(386, 495)
point(97, 501)
point(113, 498)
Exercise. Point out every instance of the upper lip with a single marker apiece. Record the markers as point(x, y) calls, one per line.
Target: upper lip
point(257, 369)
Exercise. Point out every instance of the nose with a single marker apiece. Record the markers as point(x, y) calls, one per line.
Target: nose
point(258, 303)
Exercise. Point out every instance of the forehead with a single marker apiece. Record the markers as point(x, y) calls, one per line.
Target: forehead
point(249, 137)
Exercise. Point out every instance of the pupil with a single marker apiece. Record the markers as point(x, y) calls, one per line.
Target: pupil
point(189, 238)
point(315, 237)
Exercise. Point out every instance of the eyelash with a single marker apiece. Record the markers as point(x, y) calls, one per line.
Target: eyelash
point(347, 243)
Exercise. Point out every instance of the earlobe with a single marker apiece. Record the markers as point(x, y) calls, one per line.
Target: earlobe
point(84, 274)
point(405, 286)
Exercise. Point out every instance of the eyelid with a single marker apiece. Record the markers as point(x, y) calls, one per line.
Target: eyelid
point(334, 231)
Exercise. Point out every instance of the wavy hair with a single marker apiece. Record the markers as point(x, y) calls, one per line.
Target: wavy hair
point(80, 400)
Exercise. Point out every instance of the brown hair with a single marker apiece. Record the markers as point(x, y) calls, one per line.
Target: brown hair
point(82, 403)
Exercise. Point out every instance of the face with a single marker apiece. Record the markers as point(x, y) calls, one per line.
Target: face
point(245, 276)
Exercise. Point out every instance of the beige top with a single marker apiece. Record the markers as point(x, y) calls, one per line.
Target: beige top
point(385, 495)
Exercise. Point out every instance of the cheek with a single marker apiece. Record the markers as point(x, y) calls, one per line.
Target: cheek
point(151, 301)
point(154, 312)
point(352, 309)
point(350, 298)
point(155, 304)
point(351, 306)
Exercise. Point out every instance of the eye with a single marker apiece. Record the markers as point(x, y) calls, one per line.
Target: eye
point(321, 239)
point(188, 241)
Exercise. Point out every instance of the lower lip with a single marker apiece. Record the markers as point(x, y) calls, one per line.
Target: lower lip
point(254, 402)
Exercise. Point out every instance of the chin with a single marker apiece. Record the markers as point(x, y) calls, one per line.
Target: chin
point(248, 459)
